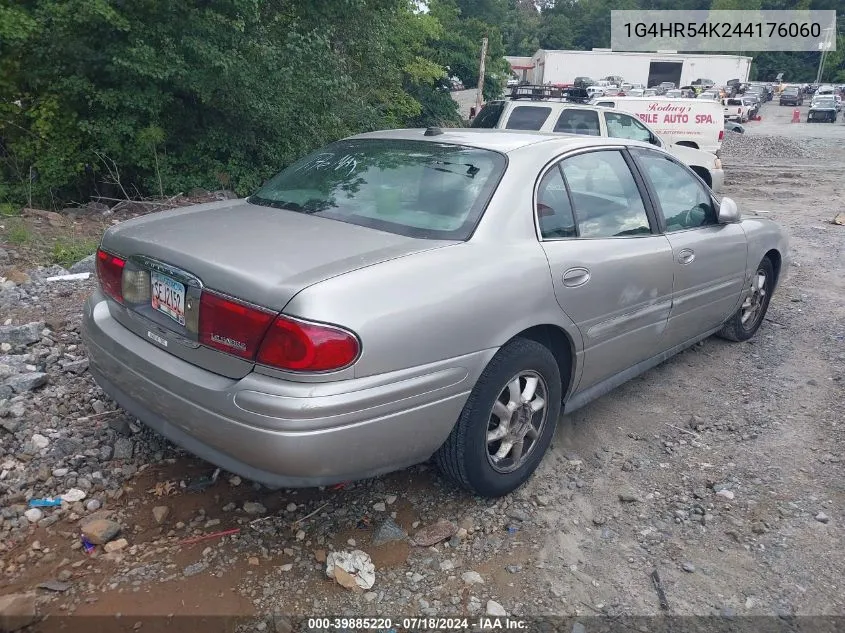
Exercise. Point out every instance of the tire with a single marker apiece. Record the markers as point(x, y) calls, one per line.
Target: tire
point(465, 457)
point(734, 329)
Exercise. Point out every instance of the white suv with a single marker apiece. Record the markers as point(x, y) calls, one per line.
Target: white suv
point(572, 118)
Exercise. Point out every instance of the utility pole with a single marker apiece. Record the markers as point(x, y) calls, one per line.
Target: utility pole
point(479, 97)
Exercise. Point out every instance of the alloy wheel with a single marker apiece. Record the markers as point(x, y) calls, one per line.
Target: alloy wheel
point(516, 421)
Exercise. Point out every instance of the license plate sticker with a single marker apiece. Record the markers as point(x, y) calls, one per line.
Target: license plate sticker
point(168, 296)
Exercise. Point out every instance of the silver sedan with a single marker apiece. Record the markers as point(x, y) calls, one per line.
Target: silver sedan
point(406, 294)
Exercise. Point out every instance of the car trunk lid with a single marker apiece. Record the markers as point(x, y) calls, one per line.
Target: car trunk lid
point(256, 254)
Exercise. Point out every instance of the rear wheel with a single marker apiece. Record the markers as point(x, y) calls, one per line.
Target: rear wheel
point(746, 321)
point(507, 423)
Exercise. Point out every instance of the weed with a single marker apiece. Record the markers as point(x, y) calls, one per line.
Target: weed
point(67, 252)
point(18, 234)
point(7, 209)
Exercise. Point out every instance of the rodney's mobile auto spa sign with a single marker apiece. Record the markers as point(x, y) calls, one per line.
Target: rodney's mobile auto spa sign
point(672, 113)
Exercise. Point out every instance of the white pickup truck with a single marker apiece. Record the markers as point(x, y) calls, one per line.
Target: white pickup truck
point(735, 110)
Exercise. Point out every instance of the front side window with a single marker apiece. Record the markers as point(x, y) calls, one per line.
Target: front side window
point(575, 121)
point(624, 126)
point(528, 118)
point(682, 198)
point(605, 196)
point(554, 211)
point(415, 188)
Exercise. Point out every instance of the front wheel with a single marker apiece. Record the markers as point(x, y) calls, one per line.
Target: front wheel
point(746, 321)
point(507, 423)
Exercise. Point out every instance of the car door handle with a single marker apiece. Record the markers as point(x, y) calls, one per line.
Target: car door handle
point(686, 256)
point(575, 277)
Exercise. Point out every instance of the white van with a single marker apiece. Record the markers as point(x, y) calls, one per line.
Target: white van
point(698, 123)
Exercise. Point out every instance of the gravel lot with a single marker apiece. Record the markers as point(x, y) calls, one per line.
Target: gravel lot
point(721, 469)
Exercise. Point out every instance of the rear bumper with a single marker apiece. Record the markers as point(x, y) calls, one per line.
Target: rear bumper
point(279, 432)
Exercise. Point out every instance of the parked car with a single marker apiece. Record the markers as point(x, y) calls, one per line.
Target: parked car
point(674, 94)
point(752, 104)
point(593, 120)
point(704, 83)
point(709, 95)
point(822, 108)
point(595, 91)
point(348, 319)
point(583, 82)
point(791, 97)
point(649, 92)
point(735, 109)
point(838, 99)
point(733, 126)
point(667, 85)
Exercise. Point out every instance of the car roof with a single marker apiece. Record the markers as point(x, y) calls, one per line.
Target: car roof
point(504, 141)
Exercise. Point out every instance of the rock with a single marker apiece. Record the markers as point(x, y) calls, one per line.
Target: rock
point(495, 609)
point(17, 610)
point(388, 531)
point(291, 507)
point(370, 596)
point(55, 585)
point(93, 505)
point(116, 546)
point(253, 507)
point(21, 383)
point(39, 442)
point(353, 570)
point(472, 578)
point(100, 531)
point(84, 265)
point(727, 494)
point(435, 533)
point(543, 500)
point(124, 448)
point(688, 567)
point(517, 515)
point(73, 495)
point(76, 366)
point(628, 495)
point(821, 517)
point(21, 334)
point(577, 627)
point(390, 499)
point(379, 506)
point(33, 515)
point(160, 514)
point(193, 570)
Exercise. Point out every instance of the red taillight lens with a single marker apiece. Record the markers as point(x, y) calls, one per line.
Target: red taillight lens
point(721, 134)
point(232, 326)
point(110, 272)
point(299, 346)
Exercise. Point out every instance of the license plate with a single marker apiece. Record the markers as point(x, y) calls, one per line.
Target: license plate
point(168, 296)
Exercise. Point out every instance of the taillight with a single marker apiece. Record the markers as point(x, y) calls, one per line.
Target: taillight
point(721, 134)
point(110, 274)
point(232, 326)
point(297, 345)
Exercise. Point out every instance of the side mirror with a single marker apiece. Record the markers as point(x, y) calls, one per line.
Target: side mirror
point(728, 212)
point(655, 140)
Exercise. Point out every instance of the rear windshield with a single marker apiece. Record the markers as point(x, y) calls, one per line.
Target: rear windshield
point(489, 115)
point(528, 117)
point(735, 102)
point(413, 188)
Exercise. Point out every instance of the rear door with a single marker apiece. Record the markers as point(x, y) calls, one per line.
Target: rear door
point(709, 258)
point(611, 270)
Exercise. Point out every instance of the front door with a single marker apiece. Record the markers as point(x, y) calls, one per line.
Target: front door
point(709, 258)
point(612, 272)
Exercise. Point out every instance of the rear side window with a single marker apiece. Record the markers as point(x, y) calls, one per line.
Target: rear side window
point(605, 195)
point(528, 118)
point(575, 121)
point(489, 115)
point(554, 211)
point(414, 188)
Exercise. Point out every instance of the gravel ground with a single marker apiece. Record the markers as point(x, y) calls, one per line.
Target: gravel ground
point(721, 469)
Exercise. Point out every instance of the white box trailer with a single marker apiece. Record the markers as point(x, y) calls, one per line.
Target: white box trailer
point(649, 69)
